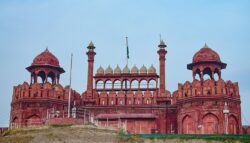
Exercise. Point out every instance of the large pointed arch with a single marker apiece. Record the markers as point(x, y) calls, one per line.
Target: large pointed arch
point(188, 125)
point(33, 120)
point(210, 124)
point(233, 126)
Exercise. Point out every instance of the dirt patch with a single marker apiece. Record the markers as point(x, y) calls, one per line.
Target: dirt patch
point(72, 134)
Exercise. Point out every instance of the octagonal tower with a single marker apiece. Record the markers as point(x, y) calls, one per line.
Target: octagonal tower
point(44, 97)
point(208, 105)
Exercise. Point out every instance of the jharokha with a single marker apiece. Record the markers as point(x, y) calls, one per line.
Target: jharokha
point(134, 99)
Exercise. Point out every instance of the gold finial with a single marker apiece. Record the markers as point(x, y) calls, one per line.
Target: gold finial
point(47, 49)
point(205, 46)
point(91, 45)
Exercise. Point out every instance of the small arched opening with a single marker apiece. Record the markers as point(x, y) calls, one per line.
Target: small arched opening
point(117, 84)
point(143, 84)
point(108, 84)
point(51, 77)
point(134, 84)
point(216, 74)
point(99, 84)
point(41, 77)
point(207, 74)
point(152, 83)
point(197, 74)
point(125, 84)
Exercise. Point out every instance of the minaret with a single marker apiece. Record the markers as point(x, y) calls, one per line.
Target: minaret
point(91, 55)
point(162, 52)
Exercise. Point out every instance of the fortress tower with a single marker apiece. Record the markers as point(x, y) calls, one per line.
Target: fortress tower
point(208, 106)
point(32, 104)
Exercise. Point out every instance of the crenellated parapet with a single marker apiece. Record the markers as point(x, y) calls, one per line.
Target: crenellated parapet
point(48, 91)
point(207, 88)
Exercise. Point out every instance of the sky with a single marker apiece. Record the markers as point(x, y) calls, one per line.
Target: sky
point(27, 27)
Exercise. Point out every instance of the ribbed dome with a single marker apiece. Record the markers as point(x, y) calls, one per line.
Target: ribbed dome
point(134, 69)
point(109, 70)
point(100, 70)
point(126, 69)
point(143, 69)
point(152, 69)
point(46, 58)
point(117, 70)
point(206, 54)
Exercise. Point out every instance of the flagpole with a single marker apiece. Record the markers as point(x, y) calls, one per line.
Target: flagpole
point(70, 85)
point(127, 57)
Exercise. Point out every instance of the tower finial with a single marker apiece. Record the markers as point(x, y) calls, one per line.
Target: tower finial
point(162, 44)
point(91, 43)
point(91, 46)
point(47, 49)
point(205, 46)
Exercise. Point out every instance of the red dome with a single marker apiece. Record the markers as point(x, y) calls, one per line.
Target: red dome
point(206, 54)
point(46, 58)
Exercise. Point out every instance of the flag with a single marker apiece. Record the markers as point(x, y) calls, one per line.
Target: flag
point(127, 52)
point(127, 48)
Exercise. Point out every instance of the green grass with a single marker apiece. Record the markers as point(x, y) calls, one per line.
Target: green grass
point(60, 125)
point(208, 138)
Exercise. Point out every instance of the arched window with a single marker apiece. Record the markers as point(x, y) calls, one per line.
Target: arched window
point(99, 84)
point(108, 84)
point(143, 84)
point(117, 84)
point(125, 84)
point(152, 83)
point(134, 84)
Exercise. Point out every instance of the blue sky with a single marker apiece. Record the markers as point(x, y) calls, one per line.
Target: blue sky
point(27, 27)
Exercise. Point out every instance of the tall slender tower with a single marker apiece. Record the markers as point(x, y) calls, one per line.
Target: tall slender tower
point(91, 54)
point(162, 53)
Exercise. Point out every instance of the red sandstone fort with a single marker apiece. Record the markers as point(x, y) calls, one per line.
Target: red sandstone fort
point(134, 99)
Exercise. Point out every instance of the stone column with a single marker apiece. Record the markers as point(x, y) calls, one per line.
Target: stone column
point(162, 52)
